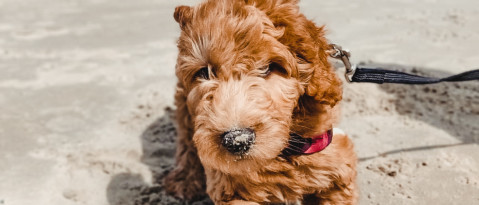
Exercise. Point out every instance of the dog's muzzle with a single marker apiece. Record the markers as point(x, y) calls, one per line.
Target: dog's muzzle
point(238, 141)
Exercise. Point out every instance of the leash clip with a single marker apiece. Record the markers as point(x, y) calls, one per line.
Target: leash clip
point(337, 52)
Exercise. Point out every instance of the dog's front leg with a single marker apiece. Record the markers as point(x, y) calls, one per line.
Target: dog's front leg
point(187, 180)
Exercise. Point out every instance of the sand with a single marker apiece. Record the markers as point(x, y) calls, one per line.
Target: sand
point(84, 86)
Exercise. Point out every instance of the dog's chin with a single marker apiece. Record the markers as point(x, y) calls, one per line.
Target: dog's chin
point(239, 164)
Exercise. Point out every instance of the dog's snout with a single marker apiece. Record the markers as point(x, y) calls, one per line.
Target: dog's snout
point(238, 141)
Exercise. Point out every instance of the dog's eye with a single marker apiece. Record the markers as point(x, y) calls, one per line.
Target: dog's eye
point(273, 67)
point(202, 73)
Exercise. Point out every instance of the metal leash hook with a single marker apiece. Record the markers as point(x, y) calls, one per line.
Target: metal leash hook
point(338, 53)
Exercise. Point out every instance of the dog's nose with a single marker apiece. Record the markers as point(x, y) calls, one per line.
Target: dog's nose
point(238, 141)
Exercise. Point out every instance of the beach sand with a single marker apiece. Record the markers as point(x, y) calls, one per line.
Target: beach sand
point(86, 100)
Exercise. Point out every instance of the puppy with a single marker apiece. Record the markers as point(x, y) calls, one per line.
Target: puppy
point(256, 102)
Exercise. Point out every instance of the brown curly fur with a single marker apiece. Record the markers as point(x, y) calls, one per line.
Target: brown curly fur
point(235, 39)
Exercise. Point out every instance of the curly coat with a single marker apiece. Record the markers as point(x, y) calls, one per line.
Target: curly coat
point(258, 64)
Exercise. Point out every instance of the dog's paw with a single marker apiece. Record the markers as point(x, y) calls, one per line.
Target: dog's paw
point(177, 184)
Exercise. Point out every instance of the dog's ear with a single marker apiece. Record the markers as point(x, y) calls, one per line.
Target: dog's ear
point(183, 15)
point(324, 85)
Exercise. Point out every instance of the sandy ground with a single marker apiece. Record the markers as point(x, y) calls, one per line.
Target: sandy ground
point(84, 86)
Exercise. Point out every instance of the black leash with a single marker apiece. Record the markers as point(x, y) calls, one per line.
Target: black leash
point(361, 74)
point(380, 76)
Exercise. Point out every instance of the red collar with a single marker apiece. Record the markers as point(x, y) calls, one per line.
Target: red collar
point(303, 146)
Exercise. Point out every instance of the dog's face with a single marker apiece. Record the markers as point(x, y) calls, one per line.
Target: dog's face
point(243, 68)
